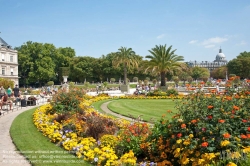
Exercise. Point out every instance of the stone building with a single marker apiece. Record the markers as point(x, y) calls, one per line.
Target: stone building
point(220, 60)
point(8, 62)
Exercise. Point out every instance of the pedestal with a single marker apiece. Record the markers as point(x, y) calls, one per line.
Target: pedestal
point(65, 79)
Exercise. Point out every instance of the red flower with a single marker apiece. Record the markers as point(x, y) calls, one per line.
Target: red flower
point(204, 144)
point(248, 128)
point(179, 135)
point(210, 116)
point(244, 120)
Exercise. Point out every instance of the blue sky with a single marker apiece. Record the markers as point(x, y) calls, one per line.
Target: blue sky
point(197, 28)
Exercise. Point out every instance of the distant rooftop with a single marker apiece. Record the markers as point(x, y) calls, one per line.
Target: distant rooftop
point(4, 44)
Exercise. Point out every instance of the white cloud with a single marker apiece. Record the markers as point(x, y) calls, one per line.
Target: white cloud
point(193, 41)
point(215, 40)
point(210, 46)
point(160, 36)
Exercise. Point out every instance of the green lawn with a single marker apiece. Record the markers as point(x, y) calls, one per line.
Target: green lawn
point(148, 108)
point(36, 147)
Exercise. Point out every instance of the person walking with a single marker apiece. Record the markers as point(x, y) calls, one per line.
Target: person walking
point(16, 91)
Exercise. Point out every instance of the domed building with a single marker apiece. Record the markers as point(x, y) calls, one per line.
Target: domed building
point(8, 62)
point(220, 60)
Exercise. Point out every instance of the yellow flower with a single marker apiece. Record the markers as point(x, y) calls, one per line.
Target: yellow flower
point(224, 143)
point(231, 164)
point(178, 141)
point(191, 135)
point(186, 142)
point(177, 152)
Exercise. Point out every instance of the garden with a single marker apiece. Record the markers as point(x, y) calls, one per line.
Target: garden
point(206, 129)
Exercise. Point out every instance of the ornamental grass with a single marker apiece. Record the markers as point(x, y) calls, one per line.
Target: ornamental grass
point(207, 130)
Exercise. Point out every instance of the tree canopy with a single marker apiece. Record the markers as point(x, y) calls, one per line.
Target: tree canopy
point(163, 61)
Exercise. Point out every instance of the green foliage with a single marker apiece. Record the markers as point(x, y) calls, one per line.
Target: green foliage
point(112, 80)
point(66, 102)
point(158, 92)
point(163, 61)
point(135, 79)
point(50, 83)
point(6, 83)
point(131, 138)
point(206, 125)
point(128, 59)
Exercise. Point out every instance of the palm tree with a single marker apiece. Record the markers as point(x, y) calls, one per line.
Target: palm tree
point(163, 61)
point(127, 58)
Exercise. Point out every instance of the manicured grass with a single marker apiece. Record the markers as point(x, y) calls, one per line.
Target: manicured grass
point(36, 147)
point(148, 108)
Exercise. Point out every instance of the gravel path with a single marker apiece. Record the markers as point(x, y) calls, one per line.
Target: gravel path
point(8, 153)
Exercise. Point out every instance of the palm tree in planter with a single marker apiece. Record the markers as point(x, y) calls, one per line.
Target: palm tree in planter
point(128, 59)
point(163, 61)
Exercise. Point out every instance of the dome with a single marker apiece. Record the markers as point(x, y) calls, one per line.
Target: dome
point(220, 55)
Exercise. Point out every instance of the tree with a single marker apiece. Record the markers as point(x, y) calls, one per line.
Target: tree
point(127, 58)
point(36, 62)
point(219, 73)
point(163, 61)
point(199, 72)
point(240, 66)
point(244, 54)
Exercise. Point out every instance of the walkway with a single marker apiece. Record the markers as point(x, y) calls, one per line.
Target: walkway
point(9, 155)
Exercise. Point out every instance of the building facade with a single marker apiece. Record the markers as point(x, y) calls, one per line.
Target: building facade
point(220, 60)
point(8, 62)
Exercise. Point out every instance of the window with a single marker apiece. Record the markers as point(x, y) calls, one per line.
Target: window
point(2, 57)
point(11, 58)
point(11, 72)
point(3, 71)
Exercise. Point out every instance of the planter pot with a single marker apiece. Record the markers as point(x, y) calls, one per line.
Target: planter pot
point(164, 88)
point(125, 88)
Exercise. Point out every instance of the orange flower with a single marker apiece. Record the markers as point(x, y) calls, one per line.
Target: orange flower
point(235, 107)
point(183, 126)
point(128, 140)
point(243, 136)
point(179, 135)
point(210, 107)
point(248, 135)
point(193, 121)
point(248, 128)
point(226, 135)
point(221, 121)
point(204, 144)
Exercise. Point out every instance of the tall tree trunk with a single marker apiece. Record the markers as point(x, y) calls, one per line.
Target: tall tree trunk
point(163, 82)
point(125, 74)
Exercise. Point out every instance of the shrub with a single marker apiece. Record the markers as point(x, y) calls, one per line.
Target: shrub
point(6, 82)
point(50, 83)
point(205, 128)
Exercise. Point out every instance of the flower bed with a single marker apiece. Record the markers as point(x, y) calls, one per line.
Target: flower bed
point(208, 129)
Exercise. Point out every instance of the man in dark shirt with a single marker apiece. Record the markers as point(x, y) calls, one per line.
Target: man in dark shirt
point(16, 91)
